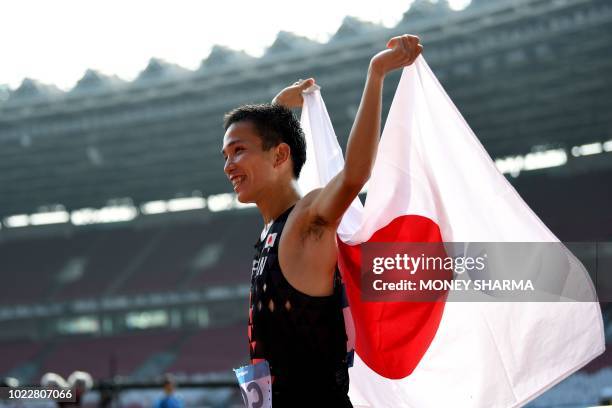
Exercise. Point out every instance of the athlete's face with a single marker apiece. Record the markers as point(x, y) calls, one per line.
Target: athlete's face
point(249, 168)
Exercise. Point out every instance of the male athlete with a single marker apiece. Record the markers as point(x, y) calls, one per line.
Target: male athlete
point(295, 316)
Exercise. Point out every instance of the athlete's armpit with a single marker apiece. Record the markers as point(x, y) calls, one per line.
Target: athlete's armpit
point(314, 229)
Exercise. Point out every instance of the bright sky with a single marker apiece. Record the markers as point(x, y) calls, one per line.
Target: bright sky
point(56, 41)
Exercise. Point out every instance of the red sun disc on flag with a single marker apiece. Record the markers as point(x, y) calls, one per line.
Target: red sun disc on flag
point(391, 337)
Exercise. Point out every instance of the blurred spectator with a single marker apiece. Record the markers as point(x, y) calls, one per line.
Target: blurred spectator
point(53, 381)
point(107, 394)
point(79, 382)
point(9, 382)
point(169, 400)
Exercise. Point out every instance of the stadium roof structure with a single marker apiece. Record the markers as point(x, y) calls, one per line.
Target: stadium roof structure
point(158, 69)
point(220, 57)
point(93, 80)
point(352, 27)
point(507, 64)
point(423, 9)
point(288, 42)
point(30, 90)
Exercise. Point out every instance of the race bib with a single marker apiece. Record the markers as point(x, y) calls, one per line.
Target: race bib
point(255, 385)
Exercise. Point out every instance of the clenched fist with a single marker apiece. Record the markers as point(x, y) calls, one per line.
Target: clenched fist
point(291, 96)
point(401, 52)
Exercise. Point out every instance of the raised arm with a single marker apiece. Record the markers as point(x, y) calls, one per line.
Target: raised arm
point(332, 201)
point(291, 96)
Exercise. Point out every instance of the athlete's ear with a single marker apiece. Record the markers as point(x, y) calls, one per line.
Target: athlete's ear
point(283, 152)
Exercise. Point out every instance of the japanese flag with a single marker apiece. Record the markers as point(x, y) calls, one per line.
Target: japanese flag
point(434, 182)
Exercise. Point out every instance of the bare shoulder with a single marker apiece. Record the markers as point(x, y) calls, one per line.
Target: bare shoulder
point(309, 198)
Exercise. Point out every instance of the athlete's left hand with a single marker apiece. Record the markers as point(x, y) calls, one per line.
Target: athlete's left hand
point(291, 96)
point(401, 51)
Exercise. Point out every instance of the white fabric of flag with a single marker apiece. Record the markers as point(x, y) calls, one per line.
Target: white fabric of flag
point(431, 165)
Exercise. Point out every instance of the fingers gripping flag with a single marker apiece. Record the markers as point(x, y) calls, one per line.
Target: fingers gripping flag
point(433, 181)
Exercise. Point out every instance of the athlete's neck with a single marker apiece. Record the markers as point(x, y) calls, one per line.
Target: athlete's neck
point(277, 203)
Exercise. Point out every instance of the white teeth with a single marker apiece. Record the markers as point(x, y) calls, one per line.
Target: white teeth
point(237, 180)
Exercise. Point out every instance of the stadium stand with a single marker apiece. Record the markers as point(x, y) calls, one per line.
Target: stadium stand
point(128, 260)
point(191, 352)
point(69, 291)
point(31, 264)
point(111, 254)
point(215, 348)
point(15, 353)
point(105, 357)
point(159, 135)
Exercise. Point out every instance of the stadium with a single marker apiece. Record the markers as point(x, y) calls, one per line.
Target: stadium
point(125, 253)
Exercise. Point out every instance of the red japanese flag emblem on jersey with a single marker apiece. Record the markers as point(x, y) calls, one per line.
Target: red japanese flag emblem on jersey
point(433, 181)
point(270, 240)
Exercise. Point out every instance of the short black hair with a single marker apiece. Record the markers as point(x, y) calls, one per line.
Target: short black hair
point(169, 380)
point(275, 124)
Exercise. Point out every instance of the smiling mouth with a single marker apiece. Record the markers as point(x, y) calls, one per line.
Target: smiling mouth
point(237, 181)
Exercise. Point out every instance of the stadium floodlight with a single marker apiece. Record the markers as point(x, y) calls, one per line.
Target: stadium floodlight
point(510, 165)
point(239, 206)
point(154, 207)
point(226, 202)
point(50, 217)
point(114, 213)
point(587, 149)
point(18, 220)
point(147, 319)
point(545, 159)
point(80, 324)
point(513, 165)
point(117, 213)
point(187, 203)
point(220, 202)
